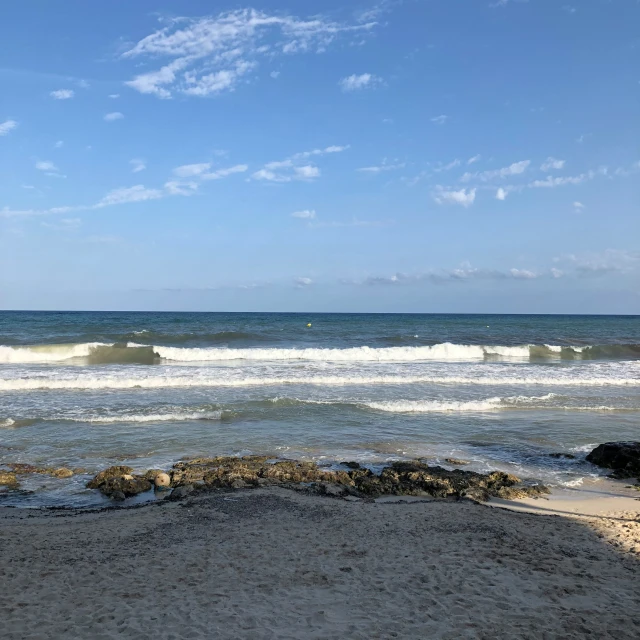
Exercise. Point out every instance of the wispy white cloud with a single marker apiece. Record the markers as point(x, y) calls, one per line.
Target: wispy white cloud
point(45, 165)
point(114, 96)
point(114, 115)
point(180, 188)
point(552, 163)
point(447, 167)
point(137, 193)
point(212, 54)
point(217, 174)
point(7, 126)
point(609, 261)
point(292, 168)
point(137, 165)
point(66, 224)
point(523, 274)
point(191, 170)
point(463, 197)
point(356, 82)
point(275, 74)
point(58, 145)
point(484, 176)
point(303, 282)
point(504, 3)
point(464, 273)
point(385, 165)
point(308, 214)
point(474, 159)
point(550, 182)
point(578, 207)
point(501, 194)
point(62, 94)
point(307, 172)
point(439, 119)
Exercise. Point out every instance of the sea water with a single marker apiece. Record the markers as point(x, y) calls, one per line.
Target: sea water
point(92, 389)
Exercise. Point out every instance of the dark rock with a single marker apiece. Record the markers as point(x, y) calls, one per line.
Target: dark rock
point(181, 492)
point(118, 483)
point(8, 479)
point(568, 456)
point(151, 474)
point(622, 457)
point(417, 478)
point(111, 472)
point(456, 462)
point(127, 485)
point(352, 465)
point(62, 472)
point(400, 478)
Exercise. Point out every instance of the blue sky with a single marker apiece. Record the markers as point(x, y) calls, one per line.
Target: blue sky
point(416, 155)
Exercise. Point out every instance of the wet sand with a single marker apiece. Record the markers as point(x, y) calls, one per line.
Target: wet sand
point(273, 563)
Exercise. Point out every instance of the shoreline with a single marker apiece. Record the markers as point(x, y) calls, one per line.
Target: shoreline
point(271, 563)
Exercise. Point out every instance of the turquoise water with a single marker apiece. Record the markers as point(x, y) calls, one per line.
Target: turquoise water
point(146, 389)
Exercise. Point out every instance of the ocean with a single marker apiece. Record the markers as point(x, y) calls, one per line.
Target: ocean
point(92, 389)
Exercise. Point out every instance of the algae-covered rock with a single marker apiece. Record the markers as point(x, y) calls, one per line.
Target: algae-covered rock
point(125, 485)
point(456, 462)
point(8, 479)
point(400, 478)
point(118, 483)
point(22, 469)
point(417, 478)
point(112, 472)
point(61, 472)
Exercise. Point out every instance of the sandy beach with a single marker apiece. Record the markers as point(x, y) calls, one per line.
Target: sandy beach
point(275, 563)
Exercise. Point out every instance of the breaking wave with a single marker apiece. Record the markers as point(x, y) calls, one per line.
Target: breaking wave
point(199, 379)
point(133, 353)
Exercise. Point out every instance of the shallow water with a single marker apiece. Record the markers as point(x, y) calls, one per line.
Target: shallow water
point(146, 389)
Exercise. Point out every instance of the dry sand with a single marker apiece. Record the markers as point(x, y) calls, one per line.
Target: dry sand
point(272, 563)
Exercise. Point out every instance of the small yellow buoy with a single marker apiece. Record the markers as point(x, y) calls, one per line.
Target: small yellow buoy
point(308, 324)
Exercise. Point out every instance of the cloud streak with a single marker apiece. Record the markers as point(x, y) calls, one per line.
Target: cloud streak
point(484, 176)
point(209, 55)
point(464, 197)
point(295, 167)
point(7, 126)
point(62, 94)
point(357, 82)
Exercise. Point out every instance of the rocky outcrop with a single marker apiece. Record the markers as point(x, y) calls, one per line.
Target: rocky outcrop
point(456, 462)
point(419, 479)
point(400, 478)
point(118, 483)
point(8, 479)
point(62, 472)
point(568, 456)
point(21, 469)
point(622, 457)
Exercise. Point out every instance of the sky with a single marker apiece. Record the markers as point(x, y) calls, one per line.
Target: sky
point(394, 156)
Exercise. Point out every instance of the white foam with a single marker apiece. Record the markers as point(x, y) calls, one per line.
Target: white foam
point(7, 422)
point(47, 353)
point(152, 417)
point(200, 378)
point(443, 352)
point(434, 406)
